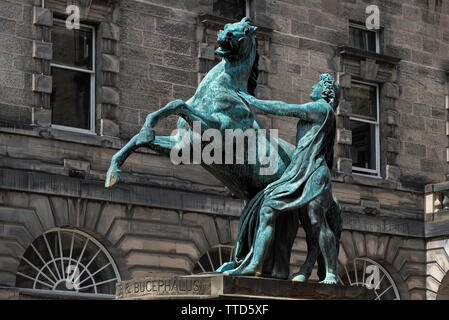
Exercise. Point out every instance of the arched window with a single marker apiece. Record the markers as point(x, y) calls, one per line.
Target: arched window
point(368, 273)
point(214, 258)
point(67, 263)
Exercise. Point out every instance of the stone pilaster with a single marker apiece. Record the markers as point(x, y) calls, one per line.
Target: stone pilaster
point(344, 134)
point(447, 125)
point(390, 93)
point(42, 53)
point(109, 67)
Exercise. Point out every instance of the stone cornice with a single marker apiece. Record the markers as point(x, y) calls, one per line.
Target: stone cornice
point(354, 52)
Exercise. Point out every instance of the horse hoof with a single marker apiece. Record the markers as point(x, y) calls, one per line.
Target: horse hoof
point(112, 177)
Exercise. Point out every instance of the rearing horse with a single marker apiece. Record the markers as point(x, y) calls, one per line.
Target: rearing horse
point(216, 105)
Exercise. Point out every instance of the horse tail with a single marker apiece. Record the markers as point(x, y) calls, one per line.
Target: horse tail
point(335, 221)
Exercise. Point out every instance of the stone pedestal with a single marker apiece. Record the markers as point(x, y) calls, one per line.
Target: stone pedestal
point(217, 286)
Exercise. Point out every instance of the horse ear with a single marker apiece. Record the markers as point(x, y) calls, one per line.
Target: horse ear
point(247, 20)
point(250, 22)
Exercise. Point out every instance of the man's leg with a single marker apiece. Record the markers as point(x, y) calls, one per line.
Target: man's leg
point(326, 239)
point(313, 249)
point(264, 239)
point(289, 223)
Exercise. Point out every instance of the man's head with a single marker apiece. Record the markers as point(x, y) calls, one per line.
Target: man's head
point(328, 89)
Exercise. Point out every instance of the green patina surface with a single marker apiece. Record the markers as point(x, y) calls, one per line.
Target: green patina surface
point(301, 186)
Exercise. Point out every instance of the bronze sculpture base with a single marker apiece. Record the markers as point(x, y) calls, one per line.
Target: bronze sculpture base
point(218, 286)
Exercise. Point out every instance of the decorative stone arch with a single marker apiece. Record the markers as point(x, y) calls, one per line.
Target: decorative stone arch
point(216, 243)
point(396, 257)
point(68, 262)
point(437, 279)
point(214, 258)
point(164, 241)
point(26, 216)
point(443, 289)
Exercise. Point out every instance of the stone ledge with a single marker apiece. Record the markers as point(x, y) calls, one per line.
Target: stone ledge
point(349, 51)
point(9, 293)
point(148, 196)
point(218, 286)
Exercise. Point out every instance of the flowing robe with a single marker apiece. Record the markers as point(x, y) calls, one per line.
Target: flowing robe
point(307, 176)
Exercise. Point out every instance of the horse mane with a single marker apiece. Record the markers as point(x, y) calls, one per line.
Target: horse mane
point(252, 80)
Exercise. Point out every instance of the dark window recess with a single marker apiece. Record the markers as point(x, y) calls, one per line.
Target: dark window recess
point(231, 9)
point(72, 47)
point(71, 98)
point(362, 39)
point(363, 148)
point(72, 70)
point(364, 126)
point(364, 101)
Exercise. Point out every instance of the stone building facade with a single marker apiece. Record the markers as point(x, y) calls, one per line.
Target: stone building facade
point(391, 161)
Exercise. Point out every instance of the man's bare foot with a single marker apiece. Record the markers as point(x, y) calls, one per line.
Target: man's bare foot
point(248, 271)
point(300, 278)
point(330, 279)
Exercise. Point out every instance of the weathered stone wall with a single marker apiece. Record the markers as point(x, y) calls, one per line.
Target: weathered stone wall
point(16, 64)
point(162, 218)
point(141, 239)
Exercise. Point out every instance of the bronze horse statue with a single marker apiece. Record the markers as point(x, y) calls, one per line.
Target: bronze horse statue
point(217, 105)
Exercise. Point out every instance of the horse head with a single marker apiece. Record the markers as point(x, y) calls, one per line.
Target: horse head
point(237, 44)
point(237, 41)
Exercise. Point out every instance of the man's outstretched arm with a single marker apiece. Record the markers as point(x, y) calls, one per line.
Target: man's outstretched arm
point(305, 112)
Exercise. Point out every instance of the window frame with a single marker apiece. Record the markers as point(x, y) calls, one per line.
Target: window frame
point(375, 173)
point(248, 8)
point(73, 294)
point(92, 72)
point(376, 32)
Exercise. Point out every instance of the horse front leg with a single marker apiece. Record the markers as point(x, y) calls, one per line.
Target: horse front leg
point(182, 109)
point(114, 173)
point(145, 136)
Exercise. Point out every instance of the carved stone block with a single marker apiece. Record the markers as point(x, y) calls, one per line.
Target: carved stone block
point(393, 173)
point(344, 136)
point(42, 83)
point(369, 69)
point(110, 95)
point(109, 128)
point(344, 165)
point(110, 63)
point(42, 16)
point(42, 50)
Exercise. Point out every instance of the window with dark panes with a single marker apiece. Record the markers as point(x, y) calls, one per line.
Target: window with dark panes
point(73, 73)
point(231, 9)
point(362, 38)
point(364, 121)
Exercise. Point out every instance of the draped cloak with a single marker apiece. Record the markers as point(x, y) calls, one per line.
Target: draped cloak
point(307, 176)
